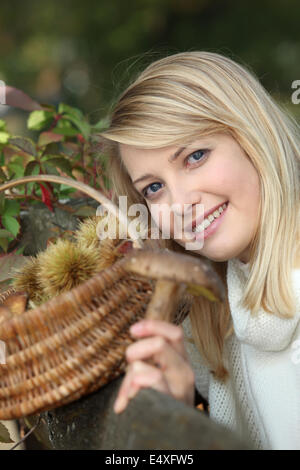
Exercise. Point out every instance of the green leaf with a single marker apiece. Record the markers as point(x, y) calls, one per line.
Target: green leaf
point(83, 126)
point(38, 120)
point(66, 109)
point(4, 242)
point(20, 250)
point(66, 131)
point(63, 122)
point(4, 435)
point(2, 159)
point(4, 137)
point(50, 170)
point(11, 207)
point(11, 224)
point(5, 233)
point(16, 169)
point(63, 193)
point(2, 202)
point(24, 144)
point(32, 168)
point(19, 159)
point(61, 163)
point(2, 125)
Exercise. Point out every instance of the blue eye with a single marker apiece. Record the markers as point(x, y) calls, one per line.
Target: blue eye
point(154, 188)
point(198, 155)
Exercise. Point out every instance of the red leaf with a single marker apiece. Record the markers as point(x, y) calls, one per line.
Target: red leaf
point(46, 197)
point(48, 137)
point(19, 99)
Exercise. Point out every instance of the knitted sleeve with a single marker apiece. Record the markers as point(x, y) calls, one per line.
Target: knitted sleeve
point(201, 370)
point(264, 331)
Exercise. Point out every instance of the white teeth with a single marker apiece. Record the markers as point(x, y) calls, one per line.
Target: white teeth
point(200, 227)
point(206, 222)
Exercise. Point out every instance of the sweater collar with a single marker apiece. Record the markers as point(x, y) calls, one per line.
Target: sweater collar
point(240, 266)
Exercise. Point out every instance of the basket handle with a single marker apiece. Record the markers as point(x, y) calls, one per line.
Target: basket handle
point(93, 193)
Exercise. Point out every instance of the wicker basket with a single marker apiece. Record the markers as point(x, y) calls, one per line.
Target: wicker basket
point(74, 343)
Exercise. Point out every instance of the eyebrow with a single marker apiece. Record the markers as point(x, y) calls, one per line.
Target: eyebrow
point(171, 160)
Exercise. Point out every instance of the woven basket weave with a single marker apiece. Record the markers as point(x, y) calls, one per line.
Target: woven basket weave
point(75, 343)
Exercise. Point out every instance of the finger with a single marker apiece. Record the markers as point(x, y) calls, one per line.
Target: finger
point(177, 372)
point(172, 333)
point(158, 349)
point(139, 375)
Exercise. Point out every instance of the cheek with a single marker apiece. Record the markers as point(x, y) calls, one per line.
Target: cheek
point(154, 215)
point(221, 179)
point(162, 217)
point(236, 180)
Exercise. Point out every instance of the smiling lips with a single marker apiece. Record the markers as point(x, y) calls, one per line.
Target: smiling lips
point(204, 221)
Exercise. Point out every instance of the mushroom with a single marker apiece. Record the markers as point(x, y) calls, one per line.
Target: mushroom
point(175, 273)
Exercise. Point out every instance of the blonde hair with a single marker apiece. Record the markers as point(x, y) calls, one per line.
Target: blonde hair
point(178, 98)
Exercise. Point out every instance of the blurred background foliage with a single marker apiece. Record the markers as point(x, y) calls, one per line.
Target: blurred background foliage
point(84, 52)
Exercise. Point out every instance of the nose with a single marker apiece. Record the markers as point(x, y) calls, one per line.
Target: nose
point(184, 200)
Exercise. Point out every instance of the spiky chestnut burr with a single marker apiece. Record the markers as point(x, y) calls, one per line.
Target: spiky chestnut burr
point(65, 265)
point(27, 279)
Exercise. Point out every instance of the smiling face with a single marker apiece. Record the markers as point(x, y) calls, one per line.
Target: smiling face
point(210, 171)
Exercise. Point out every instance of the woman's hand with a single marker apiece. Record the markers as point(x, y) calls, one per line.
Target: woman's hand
point(158, 360)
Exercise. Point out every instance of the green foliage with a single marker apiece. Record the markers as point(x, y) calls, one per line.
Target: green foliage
point(105, 42)
point(38, 120)
point(65, 144)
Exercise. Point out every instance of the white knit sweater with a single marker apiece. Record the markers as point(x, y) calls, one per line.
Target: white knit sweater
point(261, 399)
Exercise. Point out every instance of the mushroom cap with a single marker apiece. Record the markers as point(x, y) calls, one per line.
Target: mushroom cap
point(197, 273)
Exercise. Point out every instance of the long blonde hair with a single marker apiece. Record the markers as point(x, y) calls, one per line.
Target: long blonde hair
point(183, 96)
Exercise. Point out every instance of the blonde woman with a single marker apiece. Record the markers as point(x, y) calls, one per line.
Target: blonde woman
point(197, 128)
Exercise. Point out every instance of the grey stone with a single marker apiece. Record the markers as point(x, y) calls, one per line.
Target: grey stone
point(152, 421)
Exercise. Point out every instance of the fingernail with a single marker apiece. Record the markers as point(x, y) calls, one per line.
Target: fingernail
point(120, 404)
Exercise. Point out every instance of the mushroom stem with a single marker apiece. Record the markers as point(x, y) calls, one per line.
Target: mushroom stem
point(164, 300)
